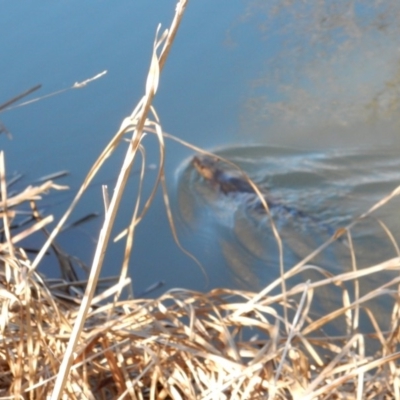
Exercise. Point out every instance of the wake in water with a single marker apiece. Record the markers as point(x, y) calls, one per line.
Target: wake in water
point(310, 196)
point(236, 183)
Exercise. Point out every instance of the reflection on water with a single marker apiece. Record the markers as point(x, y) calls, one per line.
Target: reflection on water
point(337, 66)
point(331, 187)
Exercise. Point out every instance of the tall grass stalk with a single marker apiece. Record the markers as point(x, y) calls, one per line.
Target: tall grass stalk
point(135, 123)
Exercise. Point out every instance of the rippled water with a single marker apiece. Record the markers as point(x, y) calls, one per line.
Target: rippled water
point(332, 188)
point(234, 240)
point(272, 72)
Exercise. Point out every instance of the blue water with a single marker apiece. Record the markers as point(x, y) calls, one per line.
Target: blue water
point(231, 78)
point(311, 195)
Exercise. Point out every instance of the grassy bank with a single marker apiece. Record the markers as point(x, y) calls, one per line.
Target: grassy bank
point(217, 345)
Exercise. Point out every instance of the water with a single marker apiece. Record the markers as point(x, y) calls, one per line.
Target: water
point(312, 195)
point(315, 89)
point(325, 191)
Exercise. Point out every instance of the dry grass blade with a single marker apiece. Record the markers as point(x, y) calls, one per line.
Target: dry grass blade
point(131, 228)
point(19, 97)
point(27, 232)
point(390, 236)
point(137, 121)
point(76, 85)
point(31, 193)
point(3, 187)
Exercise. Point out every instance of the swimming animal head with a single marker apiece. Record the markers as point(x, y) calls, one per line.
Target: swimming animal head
point(206, 166)
point(221, 175)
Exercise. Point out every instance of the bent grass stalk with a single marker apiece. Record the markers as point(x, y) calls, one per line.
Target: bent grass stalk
point(136, 122)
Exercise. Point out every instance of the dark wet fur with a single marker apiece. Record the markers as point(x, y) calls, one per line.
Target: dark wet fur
point(212, 170)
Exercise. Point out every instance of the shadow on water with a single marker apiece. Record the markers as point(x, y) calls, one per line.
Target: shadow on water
point(329, 189)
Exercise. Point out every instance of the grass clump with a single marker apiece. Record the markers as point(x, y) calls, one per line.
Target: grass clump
point(189, 345)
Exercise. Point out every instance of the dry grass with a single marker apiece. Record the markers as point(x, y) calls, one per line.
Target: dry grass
point(218, 345)
point(58, 342)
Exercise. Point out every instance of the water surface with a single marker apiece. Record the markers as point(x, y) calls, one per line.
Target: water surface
point(303, 84)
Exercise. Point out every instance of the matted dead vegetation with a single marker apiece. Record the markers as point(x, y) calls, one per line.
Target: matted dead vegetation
point(58, 342)
point(217, 345)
